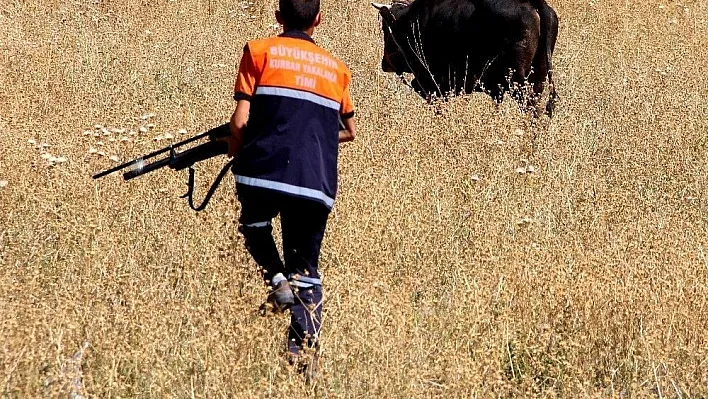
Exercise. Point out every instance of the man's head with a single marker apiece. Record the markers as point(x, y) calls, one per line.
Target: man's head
point(298, 14)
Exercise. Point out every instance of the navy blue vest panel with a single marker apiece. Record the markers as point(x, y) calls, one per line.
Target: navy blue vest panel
point(291, 144)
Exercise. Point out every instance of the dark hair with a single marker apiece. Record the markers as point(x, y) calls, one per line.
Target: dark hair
point(299, 14)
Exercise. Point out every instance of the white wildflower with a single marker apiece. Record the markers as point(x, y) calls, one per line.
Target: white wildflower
point(524, 221)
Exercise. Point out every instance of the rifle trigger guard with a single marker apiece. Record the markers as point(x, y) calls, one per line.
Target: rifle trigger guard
point(190, 185)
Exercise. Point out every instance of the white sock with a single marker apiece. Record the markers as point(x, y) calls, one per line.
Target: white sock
point(278, 278)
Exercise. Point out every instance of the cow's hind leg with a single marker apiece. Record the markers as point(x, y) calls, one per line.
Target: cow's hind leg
point(523, 54)
point(549, 20)
point(542, 65)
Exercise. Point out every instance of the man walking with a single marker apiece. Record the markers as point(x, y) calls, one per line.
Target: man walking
point(293, 109)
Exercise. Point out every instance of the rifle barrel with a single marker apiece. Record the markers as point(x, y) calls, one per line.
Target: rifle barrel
point(218, 131)
point(147, 168)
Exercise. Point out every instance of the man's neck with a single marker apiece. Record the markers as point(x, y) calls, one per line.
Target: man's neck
point(309, 31)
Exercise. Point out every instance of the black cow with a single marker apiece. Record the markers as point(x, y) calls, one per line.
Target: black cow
point(455, 46)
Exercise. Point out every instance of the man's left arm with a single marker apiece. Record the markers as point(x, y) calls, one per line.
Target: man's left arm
point(346, 115)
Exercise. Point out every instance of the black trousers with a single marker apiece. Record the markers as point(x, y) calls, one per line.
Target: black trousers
point(303, 223)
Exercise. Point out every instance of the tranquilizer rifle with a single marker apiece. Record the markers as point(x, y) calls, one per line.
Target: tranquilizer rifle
point(181, 160)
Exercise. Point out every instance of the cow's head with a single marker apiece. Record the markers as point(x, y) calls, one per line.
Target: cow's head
point(393, 59)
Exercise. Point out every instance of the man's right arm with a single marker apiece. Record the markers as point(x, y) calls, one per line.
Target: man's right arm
point(244, 89)
point(238, 122)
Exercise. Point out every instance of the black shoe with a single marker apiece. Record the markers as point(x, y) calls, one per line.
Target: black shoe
point(281, 297)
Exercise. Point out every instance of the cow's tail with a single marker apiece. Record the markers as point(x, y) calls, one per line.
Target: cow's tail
point(549, 33)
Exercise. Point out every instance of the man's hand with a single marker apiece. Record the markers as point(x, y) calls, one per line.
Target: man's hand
point(349, 132)
point(234, 146)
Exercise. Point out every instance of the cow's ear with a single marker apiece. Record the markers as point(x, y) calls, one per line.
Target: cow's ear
point(387, 16)
point(379, 6)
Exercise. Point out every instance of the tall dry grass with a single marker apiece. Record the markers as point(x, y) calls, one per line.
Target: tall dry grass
point(447, 272)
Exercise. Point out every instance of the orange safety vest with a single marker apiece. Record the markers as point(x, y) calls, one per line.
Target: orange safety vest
point(298, 93)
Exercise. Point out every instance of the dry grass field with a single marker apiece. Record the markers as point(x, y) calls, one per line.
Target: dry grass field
point(450, 268)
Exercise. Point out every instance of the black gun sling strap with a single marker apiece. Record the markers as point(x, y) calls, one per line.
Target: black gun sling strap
point(190, 187)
